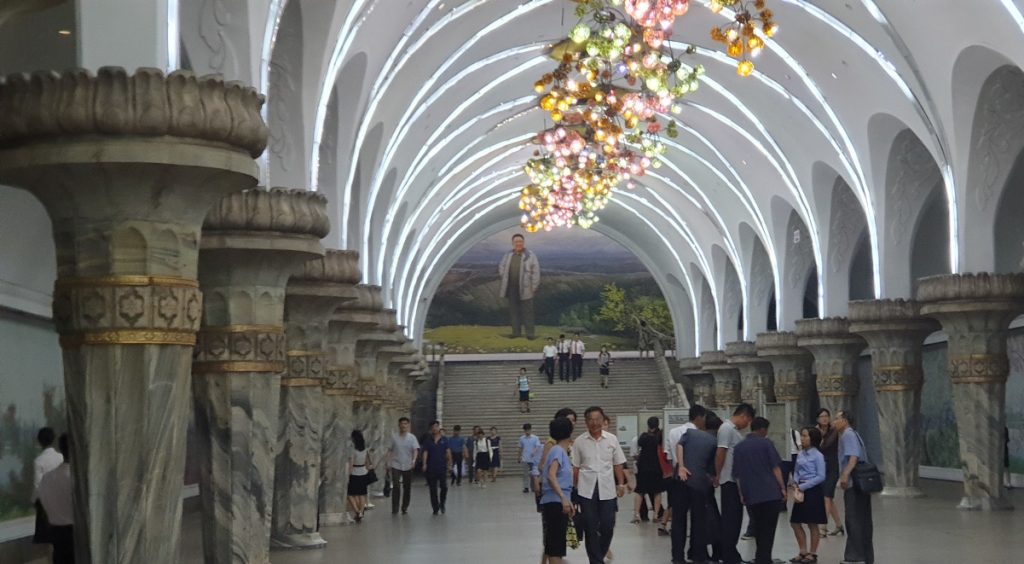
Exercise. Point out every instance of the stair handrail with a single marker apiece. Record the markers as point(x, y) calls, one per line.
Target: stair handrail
point(675, 392)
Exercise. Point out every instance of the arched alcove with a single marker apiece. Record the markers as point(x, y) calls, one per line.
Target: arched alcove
point(1008, 230)
point(929, 246)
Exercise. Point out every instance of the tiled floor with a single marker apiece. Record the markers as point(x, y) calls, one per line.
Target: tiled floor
point(498, 525)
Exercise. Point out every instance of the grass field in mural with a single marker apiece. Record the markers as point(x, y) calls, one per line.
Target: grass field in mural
point(470, 315)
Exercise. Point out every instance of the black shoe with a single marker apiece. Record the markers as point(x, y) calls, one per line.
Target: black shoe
point(526, 490)
point(435, 513)
point(405, 512)
point(442, 510)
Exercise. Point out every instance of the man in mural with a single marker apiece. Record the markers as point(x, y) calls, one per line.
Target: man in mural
point(519, 274)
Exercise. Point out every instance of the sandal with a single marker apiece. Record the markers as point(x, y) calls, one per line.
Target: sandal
point(800, 557)
point(636, 518)
point(840, 530)
point(810, 559)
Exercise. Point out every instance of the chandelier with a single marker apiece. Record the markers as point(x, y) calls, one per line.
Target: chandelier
point(616, 81)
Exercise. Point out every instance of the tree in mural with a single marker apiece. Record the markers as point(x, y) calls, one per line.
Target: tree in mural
point(625, 311)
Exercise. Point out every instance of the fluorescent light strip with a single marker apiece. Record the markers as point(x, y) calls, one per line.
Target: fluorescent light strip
point(173, 36)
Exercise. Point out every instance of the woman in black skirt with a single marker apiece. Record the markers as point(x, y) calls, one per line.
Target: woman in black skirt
point(649, 479)
point(359, 467)
point(808, 494)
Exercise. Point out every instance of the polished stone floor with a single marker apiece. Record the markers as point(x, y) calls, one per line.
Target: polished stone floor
point(498, 525)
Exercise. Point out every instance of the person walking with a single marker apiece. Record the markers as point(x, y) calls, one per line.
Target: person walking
point(732, 506)
point(457, 447)
point(597, 459)
point(808, 495)
point(48, 460)
point(562, 348)
point(556, 491)
point(56, 499)
point(550, 352)
point(359, 466)
point(576, 352)
point(860, 545)
point(482, 456)
point(523, 385)
point(604, 365)
point(649, 479)
point(495, 453)
point(437, 462)
point(695, 470)
point(830, 450)
point(402, 456)
point(757, 469)
point(519, 274)
point(529, 455)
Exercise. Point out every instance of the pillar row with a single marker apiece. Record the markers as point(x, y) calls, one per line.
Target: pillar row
point(252, 242)
point(725, 378)
point(127, 167)
point(895, 331)
point(757, 381)
point(835, 352)
point(975, 311)
point(794, 383)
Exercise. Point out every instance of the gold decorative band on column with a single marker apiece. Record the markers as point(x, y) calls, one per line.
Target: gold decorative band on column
point(301, 382)
point(128, 337)
point(895, 378)
point(231, 329)
point(896, 388)
point(231, 366)
point(126, 280)
point(979, 369)
point(836, 394)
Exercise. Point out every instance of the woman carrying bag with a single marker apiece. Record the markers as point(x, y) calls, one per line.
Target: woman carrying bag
point(808, 494)
point(482, 447)
point(360, 475)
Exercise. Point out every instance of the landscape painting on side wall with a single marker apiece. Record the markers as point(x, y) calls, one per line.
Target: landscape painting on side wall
point(585, 278)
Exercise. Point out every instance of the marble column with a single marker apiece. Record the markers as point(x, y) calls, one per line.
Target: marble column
point(127, 167)
point(725, 378)
point(975, 311)
point(835, 352)
point(252, 242)
point(312, 297)
point(757, 381)
point(895, 331)
point(794, 382)
point(367, 347)
point(702, 384)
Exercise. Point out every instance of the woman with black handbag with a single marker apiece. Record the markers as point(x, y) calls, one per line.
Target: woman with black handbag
point(360, 475)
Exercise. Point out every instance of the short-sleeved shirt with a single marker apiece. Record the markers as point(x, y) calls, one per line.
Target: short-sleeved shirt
point(673, 436)
point(699, 450)
point(524, 384)
point(849, 445)
point(437, 451)
point(596, 459)
point(728, 437)
point(456, 444)
point(755, 459)
point(403, 451)
point(529, 448)
point(564, 475)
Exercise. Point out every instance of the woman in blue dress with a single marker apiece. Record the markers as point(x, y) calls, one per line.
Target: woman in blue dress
point(809, 494)
point(556, 489)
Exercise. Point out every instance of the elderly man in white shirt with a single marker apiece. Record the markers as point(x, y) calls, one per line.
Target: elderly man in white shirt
point(47, 461)
point(597, 461)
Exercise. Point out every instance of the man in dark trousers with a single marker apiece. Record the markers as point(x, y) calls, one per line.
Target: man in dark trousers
point(576, 350)
point(860, 544)
point(437, 462)
point(562, 347)
point(696, 472)
point(519, 275)
point(597, 461)
point(756, 466)
point(732, 507)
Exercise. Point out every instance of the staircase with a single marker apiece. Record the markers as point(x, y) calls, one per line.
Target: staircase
point(485, 393)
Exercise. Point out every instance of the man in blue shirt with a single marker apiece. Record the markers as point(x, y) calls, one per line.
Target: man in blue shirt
point(756, 470)
point(457, 448)
point(437, 461)
point(529, 449)
point(860, 547)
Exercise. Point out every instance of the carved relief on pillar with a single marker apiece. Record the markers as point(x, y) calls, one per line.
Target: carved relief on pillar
point(979, 368)
point(240, 348)
point(726, 378)
point(790, 362)
point(835, 352)
point(757, 380)
point(138, 310)
point(341, 381)
point(305, 369)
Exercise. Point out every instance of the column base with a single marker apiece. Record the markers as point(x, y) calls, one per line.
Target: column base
point(968, 503)
point(299, 541)
point(328, 519)
point(902, 491)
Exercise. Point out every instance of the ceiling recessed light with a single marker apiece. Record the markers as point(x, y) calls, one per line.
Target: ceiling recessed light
point(744, 162)
point(440, 6)
point(64, 32)
point(834, 76)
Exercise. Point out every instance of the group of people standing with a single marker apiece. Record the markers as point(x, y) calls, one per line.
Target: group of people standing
point(567, 356)
point(707, 453)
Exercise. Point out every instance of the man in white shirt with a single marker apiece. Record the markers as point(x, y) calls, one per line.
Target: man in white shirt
point(405, 450)
point(597, 461)
point(562, 347)
point(732, 507)
point(47, 461)
point(549, 360)
point(576, 350)
point(56, 499)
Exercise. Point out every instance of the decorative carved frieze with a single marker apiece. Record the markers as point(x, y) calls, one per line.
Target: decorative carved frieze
point(240, 348)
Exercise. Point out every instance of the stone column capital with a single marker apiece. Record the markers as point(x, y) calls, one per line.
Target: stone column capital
point(835, 351)
point(726, 377)
point(791, 364)
point(757, 379)
point(701, 381)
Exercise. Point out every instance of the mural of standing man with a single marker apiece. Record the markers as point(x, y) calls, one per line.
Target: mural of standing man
point(519, 273)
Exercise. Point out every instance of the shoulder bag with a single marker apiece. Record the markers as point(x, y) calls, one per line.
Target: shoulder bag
point(865, 475)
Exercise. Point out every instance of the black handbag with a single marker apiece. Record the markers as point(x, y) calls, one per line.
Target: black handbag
point(371, 477)
point(865, 475)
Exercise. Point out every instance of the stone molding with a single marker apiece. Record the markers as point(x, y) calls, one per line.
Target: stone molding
point(47, 106)
point(239, 348)
point(368, 298)
point(982, 287)
point(738, 352)
point(278, 210)
point(340, 267)
point(305, 368)
point(116, 310)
